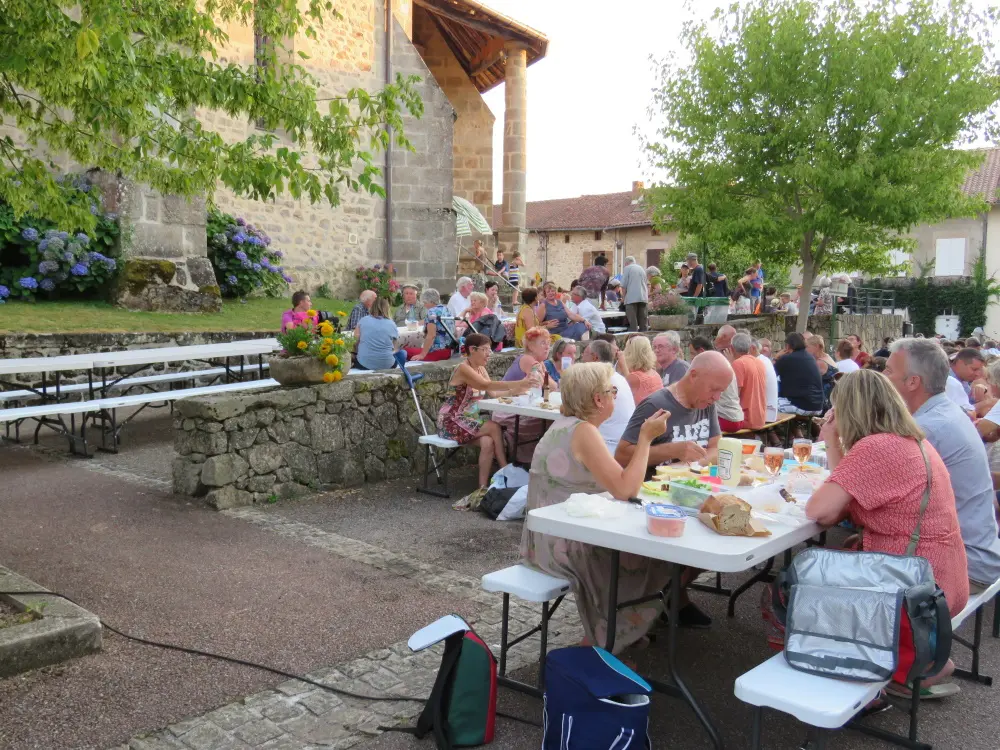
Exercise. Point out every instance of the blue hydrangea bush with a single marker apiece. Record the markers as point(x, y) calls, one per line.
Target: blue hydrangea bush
point(38, 259)
point(244, 262)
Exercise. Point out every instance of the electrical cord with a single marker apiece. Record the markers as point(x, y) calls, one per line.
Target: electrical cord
point(251, 664)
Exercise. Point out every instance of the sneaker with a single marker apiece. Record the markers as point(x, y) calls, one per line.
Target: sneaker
point(690, 617)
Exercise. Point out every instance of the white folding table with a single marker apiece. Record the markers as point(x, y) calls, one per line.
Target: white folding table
point(519, 408)
point(699, 547)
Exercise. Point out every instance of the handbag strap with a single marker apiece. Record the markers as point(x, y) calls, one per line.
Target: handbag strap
point(915, 536)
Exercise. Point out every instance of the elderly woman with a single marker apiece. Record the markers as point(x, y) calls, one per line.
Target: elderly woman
point(572, 458)
point(642, 376)
point(299, 313)
point(460, 419)
point(376, 336)
point(554, 315)
point(562, 350)
point(881, 467)
point(477, 308)
point(437, 342)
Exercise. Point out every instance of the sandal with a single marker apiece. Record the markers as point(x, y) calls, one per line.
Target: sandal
point(933, 692)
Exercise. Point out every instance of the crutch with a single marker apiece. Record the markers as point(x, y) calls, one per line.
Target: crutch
point(411, 381)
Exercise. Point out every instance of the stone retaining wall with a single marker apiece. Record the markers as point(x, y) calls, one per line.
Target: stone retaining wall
point(240, 449)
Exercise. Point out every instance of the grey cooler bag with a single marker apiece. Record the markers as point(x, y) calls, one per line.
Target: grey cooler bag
point(842, 611)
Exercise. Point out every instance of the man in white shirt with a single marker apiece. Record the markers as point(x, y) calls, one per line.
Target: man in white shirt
point(787, 306)
point(613, 427)
point(845, 352)
point(459, 301)
point(771, 389)
point(966, 367)
point(586, 310)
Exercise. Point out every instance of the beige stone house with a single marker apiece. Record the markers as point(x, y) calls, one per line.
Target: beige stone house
point(459, 49)
point(566, 234)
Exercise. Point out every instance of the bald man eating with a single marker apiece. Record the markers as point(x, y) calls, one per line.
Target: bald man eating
point(693, 431)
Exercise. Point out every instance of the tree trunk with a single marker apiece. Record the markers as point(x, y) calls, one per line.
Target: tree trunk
point(808, 276)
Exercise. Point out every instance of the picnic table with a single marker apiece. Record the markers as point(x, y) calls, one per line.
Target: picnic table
point(699, 548)
point(523, 406)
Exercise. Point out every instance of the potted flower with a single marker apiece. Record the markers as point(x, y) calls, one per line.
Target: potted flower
point(312, 353)
point(667, 312)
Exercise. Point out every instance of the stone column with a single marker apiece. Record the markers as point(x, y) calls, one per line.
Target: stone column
point(515, 149)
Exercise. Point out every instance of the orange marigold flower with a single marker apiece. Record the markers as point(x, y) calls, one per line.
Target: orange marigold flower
point(329, 377)
point(302, 345)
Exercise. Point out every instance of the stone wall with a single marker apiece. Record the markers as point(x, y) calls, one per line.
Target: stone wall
point(59, 344)
point(251, 448)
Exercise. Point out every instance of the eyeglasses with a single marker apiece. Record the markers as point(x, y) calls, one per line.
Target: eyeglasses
point(613, 390)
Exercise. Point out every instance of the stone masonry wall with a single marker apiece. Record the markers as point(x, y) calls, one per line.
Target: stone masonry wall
point(242, 449)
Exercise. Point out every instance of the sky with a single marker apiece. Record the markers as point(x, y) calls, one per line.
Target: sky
point(592, 88)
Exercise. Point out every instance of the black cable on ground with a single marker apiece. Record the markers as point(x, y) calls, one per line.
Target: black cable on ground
point(244, 662)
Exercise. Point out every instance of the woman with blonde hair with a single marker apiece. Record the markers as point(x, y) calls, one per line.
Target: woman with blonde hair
point(572, 457)
point(561, 350)
point(641, 361)
point(376, 335)
point(881, 466)
point(537, 343)
point(477, 307)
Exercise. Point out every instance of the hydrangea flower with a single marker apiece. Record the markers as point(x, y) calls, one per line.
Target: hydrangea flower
point(83, 187)
point(93, 209)
point(68, 257)
point(43, 245)
point(258, 283)
point(47, 285)
point(265, 263)
point(95, 256)
point(30, 234)
point(287, 278)
point(4, 292)
point(241, 222)
point(80, 269)
point(239, 238)
point(73, 246)
point(83, 239)
point(231, 279)
point(110, 264)
point(247, 263)
point(48, 266)
point(56, 244)
point(255, 241)
point(256, 267)
point(219, 238)
point(278, 253)
point(111, 217)
point(63, 236)
point(240, 255)
point(223, 289)
point(28, 282)
point(61, 277)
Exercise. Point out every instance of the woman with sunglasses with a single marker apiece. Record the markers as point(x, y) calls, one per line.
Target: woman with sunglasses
point(460, 419)
point(572, 457)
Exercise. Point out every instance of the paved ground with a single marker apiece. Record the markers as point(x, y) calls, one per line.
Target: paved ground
point(332, 586)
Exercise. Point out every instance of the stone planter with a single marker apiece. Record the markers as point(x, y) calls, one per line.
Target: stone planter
point(668, 322)
point(300, 370)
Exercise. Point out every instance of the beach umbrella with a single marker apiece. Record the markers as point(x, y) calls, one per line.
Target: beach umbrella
point(468, 219)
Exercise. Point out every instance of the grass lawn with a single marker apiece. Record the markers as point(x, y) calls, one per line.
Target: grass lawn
point(101, 317)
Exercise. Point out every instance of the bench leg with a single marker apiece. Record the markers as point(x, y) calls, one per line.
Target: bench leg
point(758, 716)
point(762, 576)
point(977, 639)
point(440, 469)
point(996, 616)
point(503, 635)
point(544, 637)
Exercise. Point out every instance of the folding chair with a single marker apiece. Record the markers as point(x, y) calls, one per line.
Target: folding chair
point(432, 440)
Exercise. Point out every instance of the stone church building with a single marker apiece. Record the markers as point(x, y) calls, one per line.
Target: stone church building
point(459, 49)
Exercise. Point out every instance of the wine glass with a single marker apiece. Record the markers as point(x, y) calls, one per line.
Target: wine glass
point(802, 449)
point(774, 458)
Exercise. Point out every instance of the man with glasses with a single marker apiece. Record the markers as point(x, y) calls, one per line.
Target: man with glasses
point(613, 427)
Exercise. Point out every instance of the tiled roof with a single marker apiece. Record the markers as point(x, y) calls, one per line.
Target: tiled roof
point(617, 210)
point(986, 180)
point(591, 212)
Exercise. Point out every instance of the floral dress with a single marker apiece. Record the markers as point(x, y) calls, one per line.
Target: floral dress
point(459, 418)
point(555, 475)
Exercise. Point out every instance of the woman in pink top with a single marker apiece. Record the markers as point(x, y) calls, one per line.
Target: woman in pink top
point(477, 307)
point(641, 362)
point(878, 480)
point(299, 312)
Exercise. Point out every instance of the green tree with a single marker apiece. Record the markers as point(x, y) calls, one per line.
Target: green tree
point(816, 133)
point(117, 86)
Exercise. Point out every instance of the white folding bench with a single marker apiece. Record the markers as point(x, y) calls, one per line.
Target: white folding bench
point(532, 586)
point(977, 603)
point(449, 448)
point(822, 703)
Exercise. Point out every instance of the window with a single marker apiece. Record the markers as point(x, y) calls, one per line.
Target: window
point(598, 234)
point(899, 258)
point(566, 239)
point(949, 257)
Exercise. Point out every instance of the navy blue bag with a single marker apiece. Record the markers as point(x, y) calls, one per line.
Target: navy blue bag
point(593, 702)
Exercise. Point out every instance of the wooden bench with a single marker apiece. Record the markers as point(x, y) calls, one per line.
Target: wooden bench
point(977, 603)
point(783, 419)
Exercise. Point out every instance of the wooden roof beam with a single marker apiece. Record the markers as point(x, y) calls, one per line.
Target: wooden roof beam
point(490, 54)
point(490, 29)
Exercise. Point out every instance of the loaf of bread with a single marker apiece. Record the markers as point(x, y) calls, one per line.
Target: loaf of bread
point(730, 516)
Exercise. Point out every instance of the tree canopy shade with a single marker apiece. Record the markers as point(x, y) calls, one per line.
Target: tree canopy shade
point(117, 85)
point(817, 132)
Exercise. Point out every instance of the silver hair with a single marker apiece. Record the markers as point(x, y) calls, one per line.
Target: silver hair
point(652, 270)
point(993, 372)
point(741, 343)
point(672, 338)
point(603, 351)
point(579, 290)
point(462, 282)
point(629, 260)
point(926, 360)
point(431, 296)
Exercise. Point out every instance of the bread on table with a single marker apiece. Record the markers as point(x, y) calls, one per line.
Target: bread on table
point(730, 516)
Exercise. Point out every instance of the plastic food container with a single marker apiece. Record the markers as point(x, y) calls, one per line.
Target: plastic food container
point(689, 495)
point(662, 520)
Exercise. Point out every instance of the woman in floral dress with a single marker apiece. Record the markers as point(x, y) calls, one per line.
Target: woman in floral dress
point(572, 457)
point(460, 419)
